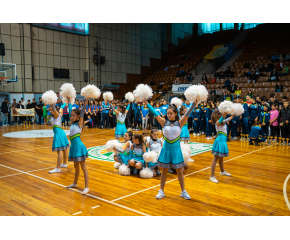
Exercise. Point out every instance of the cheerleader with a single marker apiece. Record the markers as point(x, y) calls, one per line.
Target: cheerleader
point(220, 147)
point(78, 152)
point(171, 154)
point(121, 113)
point(60, 143)
point(184, 136)
point(154, 144)
point(138, 148)
point(124, 156)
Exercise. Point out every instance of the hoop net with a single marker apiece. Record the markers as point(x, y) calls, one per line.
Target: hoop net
point(3, 80)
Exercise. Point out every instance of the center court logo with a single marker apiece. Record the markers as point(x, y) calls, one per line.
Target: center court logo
point(100, 152)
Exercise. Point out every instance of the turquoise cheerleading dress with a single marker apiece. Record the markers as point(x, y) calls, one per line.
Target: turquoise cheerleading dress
point(77, 152)
point(60, 141)
point(137, 154)
point(220, 146)
point(125, 156)
point(184, 136)
point(154, 145)
point(171, 154)
point(121, 127)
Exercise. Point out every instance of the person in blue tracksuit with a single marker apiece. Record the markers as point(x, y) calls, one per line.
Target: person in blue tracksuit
point(245, 116)
point(187, 104)
point(196, 120)
point(164, 108)
point(265, 120)
point(235, 125)
point(229, 126)
point(256, 134)
point(254, 112)
point(208, 114)
point(105, 113)
point(202, 125)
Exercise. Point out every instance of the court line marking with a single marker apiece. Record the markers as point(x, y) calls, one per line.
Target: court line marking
point(95, 207)
point(77, 213)
point(285, 191)
point(73, 189)
point(184, 176)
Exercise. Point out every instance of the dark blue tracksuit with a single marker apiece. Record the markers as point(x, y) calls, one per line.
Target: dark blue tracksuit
point(256, 132)
point(235, 125)
point(208, 124)
point(245, 119)
point(196, 114)
point(254, 110)
point(105, 114)
point(265, 118)
point(202, 125)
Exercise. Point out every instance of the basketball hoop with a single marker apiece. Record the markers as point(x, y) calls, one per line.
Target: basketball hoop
point(3, 80)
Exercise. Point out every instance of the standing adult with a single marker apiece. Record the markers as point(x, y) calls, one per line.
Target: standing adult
point(38, 109)
point(4, 110)
point(105, 113)
point(14, 106)
point(33, 105)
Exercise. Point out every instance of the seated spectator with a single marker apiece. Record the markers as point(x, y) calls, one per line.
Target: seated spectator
point(273, 76)
point(287, 58)
point(160, 86)
point(216, 74)
point(232, 73)
point(184, 57)
point(238, 91)
point(280, 65)
point(279, 88)
point(222, 74)
point(281, 57)
point(189, 77)
point(213, 80)
point(233, 87)
point(170, 98)
point(228, 96)
point(257, 73)
point(270, 67)
point(152, 83)
point(181, 73)
point(275, 58)
point(227, 84)
point(247, 74)
point(285, 70)
point(247, 64)
point(164, 92)
point(250, 94)
point(213, 95)
point(203, 82)
point(252, 78)
point(204, 78)
point(219, 92)
point(176, 81)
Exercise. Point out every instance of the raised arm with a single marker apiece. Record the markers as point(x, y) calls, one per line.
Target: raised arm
point(128, 107)
point(186, 116)
point(115, 110)
point(160, 119)
point(53, 111)
point(81, 121)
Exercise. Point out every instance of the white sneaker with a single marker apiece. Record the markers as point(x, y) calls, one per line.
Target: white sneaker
point(86, 190)
point(213, 179)
point(185, 195)
point(159, 130)
point(160, 194)
point(214, 137)
point(202, 133)
point(225, 173)
point(56, 170)
point(72, 186)
point(208, 138)
point(194, 134)
point(63, 165)
point(198, 134)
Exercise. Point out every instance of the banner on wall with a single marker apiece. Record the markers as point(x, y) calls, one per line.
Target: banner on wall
point(219, 51)
point(180, 88)
point(17, 112)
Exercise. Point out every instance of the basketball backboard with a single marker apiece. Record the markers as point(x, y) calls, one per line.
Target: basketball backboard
point(7, 73)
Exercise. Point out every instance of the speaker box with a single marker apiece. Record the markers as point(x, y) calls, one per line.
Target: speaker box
point(86, 76)
point(95, 59)
point(102, 60)
point(2, 49)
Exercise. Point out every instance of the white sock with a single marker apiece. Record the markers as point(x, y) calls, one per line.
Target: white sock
point(86, 190)
point(72, 186)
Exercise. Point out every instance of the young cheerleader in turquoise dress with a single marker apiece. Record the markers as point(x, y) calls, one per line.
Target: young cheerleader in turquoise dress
point(121, 114)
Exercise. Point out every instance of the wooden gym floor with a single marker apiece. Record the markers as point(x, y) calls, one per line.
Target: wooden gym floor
point(259, 176)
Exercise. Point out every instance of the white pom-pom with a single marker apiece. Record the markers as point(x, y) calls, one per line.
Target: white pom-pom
point(186, 152)
point(196, 93)
point(176, 101)
point(124, 170)
point(146, 173)
point(142, 92)
point(117, 165)
point(226, 107)
point(91, 91)
point(112, 145)
point(129, 96)
point(238, 109)
point(67, 90)
point(108, 96)
point(49, 97)
point(150, 156)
